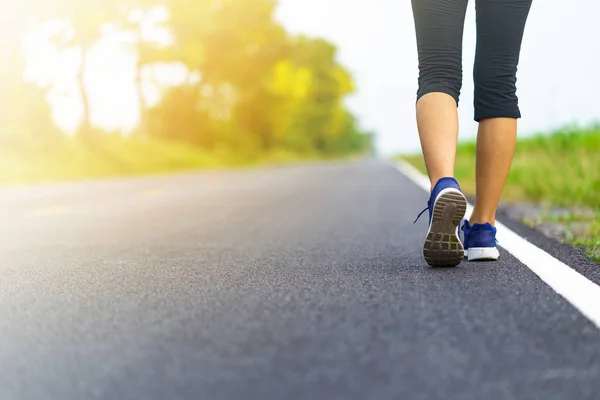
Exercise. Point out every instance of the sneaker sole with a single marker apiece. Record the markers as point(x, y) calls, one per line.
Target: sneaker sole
point(483, 254)
point(443, 247)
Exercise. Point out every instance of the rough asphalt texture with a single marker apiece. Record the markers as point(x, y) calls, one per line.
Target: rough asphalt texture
point(291, 283)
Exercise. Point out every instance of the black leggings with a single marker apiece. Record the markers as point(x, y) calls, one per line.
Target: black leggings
point(500, 25)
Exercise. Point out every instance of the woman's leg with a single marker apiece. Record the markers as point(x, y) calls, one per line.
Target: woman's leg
point(439, 30)
point(439, 27)
point(500, 27)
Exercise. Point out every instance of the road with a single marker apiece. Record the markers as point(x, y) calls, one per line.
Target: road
point(302, 282)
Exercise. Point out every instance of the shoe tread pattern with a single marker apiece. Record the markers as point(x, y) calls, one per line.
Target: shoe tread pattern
point(442, 246)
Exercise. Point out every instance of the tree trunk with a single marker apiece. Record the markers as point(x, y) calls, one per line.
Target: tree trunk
point(85, 129)
point(139, 81)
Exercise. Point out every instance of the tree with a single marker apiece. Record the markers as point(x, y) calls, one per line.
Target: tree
point(136, 16)
point(318, 119)
point(83, 24)
point(24, 111)
point(273, 90)
point(232, 45)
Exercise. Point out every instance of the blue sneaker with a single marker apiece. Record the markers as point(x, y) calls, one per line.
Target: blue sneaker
point(447, 206)
point(480, 242)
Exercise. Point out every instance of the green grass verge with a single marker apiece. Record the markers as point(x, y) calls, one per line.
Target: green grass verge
point(557, 169)
point(68, 158)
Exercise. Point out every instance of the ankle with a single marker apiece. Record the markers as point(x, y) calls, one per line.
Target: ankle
point(475, 219)
point(435, 180)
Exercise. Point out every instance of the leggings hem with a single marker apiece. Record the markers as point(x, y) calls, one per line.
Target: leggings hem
point(438, 88)
point(516, 114)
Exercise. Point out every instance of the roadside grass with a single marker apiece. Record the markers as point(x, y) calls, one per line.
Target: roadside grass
point(70, 158)
point(560, 169)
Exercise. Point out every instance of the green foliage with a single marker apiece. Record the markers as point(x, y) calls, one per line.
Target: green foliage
point(179, 118)
point(71, 158)
point(260, 88)
point(562, 168)
point(253, 89)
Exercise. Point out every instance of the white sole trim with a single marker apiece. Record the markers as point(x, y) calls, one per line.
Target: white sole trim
point(482, 254)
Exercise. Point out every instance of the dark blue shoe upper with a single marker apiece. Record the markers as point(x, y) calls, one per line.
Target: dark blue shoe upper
point(443, 183)
point(478, 235)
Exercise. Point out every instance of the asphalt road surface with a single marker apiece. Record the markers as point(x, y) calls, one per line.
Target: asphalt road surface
point(281, 283)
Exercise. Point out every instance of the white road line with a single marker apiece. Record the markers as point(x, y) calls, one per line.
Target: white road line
point(582, 293)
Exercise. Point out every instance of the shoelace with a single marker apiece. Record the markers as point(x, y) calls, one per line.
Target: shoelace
point(421, 213)
point(464, 227)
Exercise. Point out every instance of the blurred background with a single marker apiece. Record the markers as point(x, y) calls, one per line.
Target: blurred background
point(103, 87)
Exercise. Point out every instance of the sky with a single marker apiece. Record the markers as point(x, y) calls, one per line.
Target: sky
point(558, 77)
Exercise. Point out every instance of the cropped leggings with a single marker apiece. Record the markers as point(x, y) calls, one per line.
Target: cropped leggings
point(500, 25)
